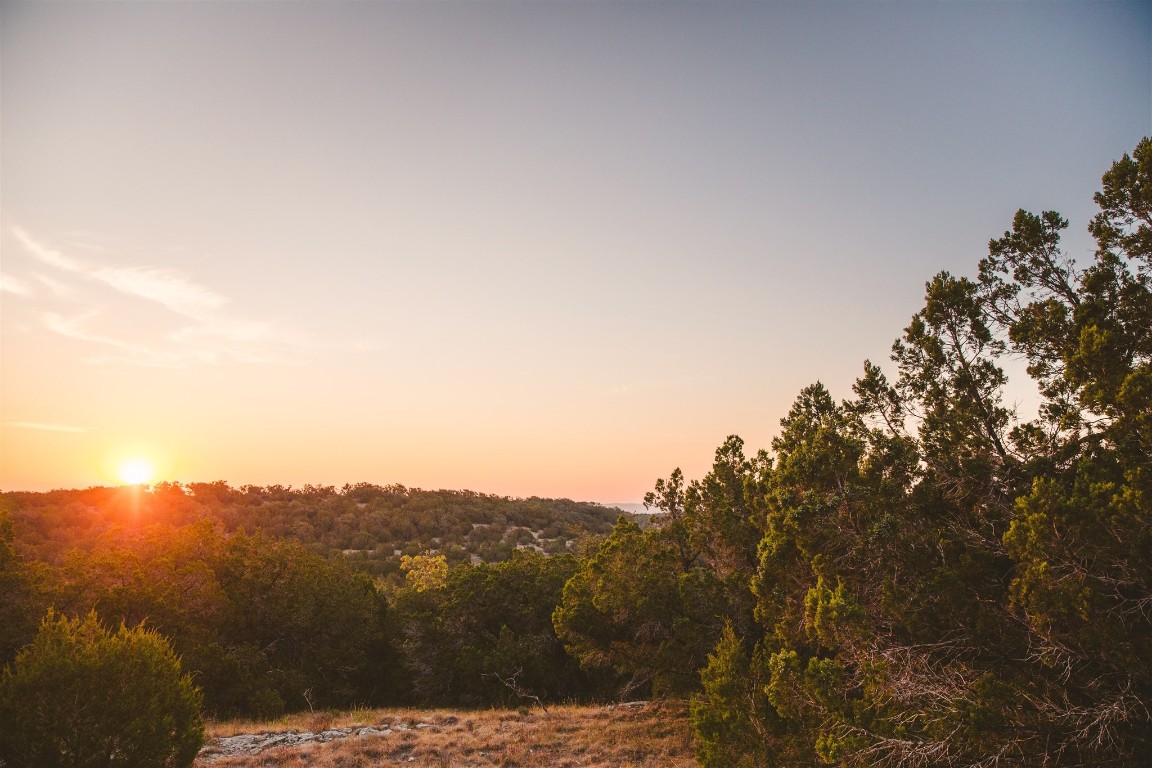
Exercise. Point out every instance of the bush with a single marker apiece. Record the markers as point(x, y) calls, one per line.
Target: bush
point(79, 695)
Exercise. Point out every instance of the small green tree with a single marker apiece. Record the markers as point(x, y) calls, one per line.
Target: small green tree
point(735, 724)
point(80, 695)
point(634, 608)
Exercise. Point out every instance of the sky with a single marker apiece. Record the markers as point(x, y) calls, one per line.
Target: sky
point(531, 249)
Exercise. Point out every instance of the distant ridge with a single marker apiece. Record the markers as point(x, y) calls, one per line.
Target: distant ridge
point(373, 526)
point(632, 507)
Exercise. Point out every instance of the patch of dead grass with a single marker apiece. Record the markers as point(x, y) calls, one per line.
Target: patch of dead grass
point(628, 736)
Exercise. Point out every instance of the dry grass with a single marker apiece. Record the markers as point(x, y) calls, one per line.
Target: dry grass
point(626, 736)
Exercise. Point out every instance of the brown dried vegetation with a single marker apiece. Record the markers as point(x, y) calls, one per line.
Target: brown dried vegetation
point(639, 735)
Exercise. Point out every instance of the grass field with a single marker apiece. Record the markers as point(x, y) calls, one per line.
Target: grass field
point(638, 735)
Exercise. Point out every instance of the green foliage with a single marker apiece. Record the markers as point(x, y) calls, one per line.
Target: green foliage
point(633, 607)
point(21, 603)
point(370, 525)
point(482, 634)
point(940, 583)
point(267, 624)
point(80, 695)
point(734, 723)
point(424, 572)
point(259, 621)
point(649, 604)
point(307, 625)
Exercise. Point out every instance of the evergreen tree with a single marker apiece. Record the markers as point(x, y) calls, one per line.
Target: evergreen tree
point(80, 696)
point(940, 583)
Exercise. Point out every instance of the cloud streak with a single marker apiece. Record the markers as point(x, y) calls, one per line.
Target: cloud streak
point(44, 254)
point(10, 284)
point(205, 332)
point(166, 287)
point(127, 351)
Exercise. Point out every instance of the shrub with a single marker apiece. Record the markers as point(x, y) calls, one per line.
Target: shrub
point(80, 695)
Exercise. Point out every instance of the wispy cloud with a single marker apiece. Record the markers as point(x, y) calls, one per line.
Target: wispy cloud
point(126, 351)
point(44, 427)
point(166, 287)
point(10, 284)
point(201, 330)
point(43, 253)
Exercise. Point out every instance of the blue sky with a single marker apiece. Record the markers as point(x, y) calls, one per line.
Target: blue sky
point(523, 248)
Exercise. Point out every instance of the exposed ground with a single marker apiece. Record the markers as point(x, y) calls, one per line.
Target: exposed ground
point(636, 735)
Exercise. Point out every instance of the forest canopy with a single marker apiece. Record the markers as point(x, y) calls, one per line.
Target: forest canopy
point(373, 526)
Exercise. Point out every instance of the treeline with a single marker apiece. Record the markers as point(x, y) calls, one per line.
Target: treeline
point(913, 576)
point(374, 526)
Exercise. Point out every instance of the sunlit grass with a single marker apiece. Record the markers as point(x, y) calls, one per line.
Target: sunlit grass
point(637, 736)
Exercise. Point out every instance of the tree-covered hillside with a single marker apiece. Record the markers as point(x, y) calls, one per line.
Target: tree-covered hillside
point(372, 525)
point(279, 599)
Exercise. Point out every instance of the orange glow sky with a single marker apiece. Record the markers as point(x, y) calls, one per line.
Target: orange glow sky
point(527, 249)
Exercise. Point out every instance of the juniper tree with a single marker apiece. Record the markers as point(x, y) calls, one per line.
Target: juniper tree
point(82, 696)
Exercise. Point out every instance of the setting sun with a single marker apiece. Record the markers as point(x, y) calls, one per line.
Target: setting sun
point(136, 472)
